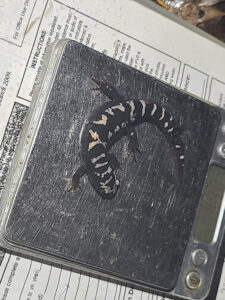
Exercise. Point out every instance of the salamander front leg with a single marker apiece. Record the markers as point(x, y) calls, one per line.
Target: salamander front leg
point(113, 161)
point(108, 90)
point(133, 146)
point(74, 182)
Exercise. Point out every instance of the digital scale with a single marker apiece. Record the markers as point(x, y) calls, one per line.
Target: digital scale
point(160, 232)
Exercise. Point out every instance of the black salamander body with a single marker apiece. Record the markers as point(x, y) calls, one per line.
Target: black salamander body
point(109, 123)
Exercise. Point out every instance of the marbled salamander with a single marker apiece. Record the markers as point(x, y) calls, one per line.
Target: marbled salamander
point(106, 125)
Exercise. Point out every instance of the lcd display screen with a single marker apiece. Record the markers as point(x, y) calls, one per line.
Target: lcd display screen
point(212, 206)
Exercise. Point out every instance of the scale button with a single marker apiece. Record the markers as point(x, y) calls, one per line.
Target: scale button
point(199, 257)
point(193, 280)
point(223, 128)
point(221, 150)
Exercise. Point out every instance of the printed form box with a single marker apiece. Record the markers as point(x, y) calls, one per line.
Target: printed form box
point(16, 14)
point(194, 81)
point(217, 92)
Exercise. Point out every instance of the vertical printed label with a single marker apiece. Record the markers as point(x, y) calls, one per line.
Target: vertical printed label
point(194, 81)
point(217, 92)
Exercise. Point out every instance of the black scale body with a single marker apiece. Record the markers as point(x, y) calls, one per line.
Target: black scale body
point(109, 123)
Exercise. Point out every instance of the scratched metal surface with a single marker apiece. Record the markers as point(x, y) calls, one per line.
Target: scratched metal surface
point(141, 234)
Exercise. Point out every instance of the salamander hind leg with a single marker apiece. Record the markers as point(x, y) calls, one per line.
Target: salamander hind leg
point(108, 90)
point(133, 146)
point(74, 182)
point(113, 161)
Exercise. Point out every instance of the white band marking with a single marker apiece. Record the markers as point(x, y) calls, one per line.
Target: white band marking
point(131, 103)
point(101, 165)
point(93, 160)
point(143, 107)
point(108, 171)
point(109, 111)
point(170, 130)
point(154, 109)
point(163, 114)
point(103, 121)
point(119, 106)
point(109, 135)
